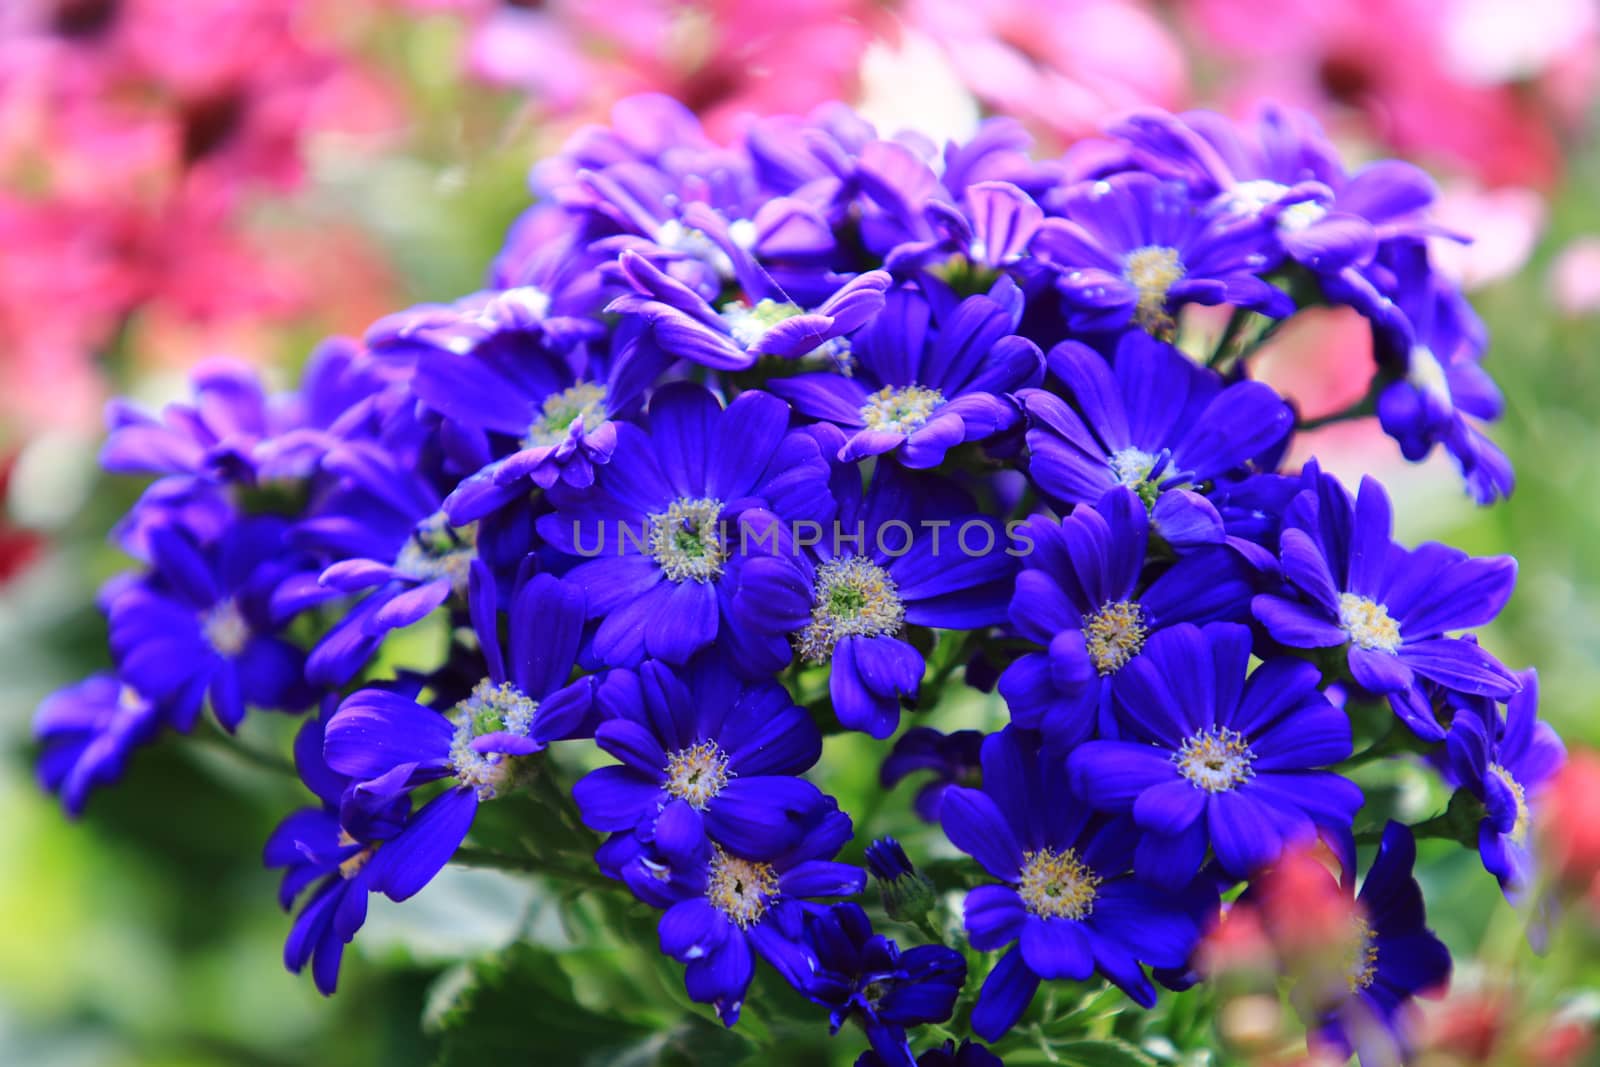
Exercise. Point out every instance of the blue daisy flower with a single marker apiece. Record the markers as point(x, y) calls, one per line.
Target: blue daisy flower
point(865, 976)
point(1132, 249)
point(199, 626)
point(1396, 958)
point(333, 868)
point(727, 750)
point(390, 745)
point(847, 601)
point(1444, 393)
point(953, 759)
point(949, 1054)
point(1350, 586)
point(924, 380)
point(1506, 763)
point(1208, 756)
point(1068, 896)
point(1155, 422)
point(730, 909)
point(86, 734)
point(666, 520)
point(1082, 598)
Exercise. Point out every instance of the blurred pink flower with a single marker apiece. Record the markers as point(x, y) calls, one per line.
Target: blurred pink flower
point(1062, 66)
point(1575, 277)
point(728, 60)
point(1504, 225)
point(1405, 73)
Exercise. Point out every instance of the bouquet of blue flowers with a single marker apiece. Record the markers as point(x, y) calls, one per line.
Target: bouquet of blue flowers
point(745, 449)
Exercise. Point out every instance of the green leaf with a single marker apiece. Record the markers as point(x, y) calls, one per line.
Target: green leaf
point(1108, 1052)
point(518, 1006)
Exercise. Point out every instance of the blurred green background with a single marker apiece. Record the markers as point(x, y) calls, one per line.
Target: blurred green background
point(147, 935)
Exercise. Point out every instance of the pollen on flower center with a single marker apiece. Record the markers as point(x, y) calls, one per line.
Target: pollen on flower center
point(1114, 634)
point(697, 773)
point(686, 540)
point(694, 243)
point(1153, 271)
point(1057, 885)
point(854, 596)
point(1301, 216)
point(741, 889)
point(352, 865)
point(436, 549)
point(490, 709)
point(1131, 466)
point(1216, 760)
point(1362, 966)
point(1426, 374)
point(581, 406)
point(900, 408)
point(225, 628)
point(1519, 829)
point(1368, 623)
point(749, 323)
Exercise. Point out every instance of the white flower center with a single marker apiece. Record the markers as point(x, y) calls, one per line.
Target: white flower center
point(1368, 623)
point(901, 408)
point(1301, 216)
point(1426, 374)
point(1131, 466)
point(1057, 885)
point(1249, 198)
point(1216, 760)
point(697, 773)
point(490, 709)
point(225, 628)
point(581, 406)
point(686, 540)
point(696, 244)
point(854, 596)
point(438, 550)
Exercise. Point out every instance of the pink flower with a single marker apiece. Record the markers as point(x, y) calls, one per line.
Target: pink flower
point(1575, 277)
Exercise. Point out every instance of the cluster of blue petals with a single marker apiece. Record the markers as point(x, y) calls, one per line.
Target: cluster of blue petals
point(675, 482)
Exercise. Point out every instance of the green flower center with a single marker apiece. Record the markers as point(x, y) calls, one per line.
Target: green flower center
point(901, 409)
point(854, 596)
point(579, 405)
point(686, 540)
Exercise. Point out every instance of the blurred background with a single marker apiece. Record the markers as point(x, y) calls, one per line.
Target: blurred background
point(188, 178)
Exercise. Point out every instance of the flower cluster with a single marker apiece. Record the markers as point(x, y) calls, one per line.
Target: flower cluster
point(749, 444)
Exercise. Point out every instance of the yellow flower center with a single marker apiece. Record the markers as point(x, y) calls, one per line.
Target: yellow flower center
point(1114, 634)
point(1368, 623)
point(697, 773)
point(900, 409)
point(1215, 760)
point(1153, 271)
point(1362, 962)
point(1057, 885)
point(741, 889)
point(1519, 829)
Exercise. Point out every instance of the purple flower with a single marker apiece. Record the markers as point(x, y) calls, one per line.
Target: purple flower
point(199, 627)
point(1133, 249)
point(1506, 763)
point(86, 734)
point(953, 759)
point(923, 382)
point(1349, 585)
point(1152, 421)
point(1444, 391)
point(724, 750)
point(1081, 597)
point(949, 1054)
point(389, 744)
point(678, 505)
point(882, 568)
point(1286, 172)
point(1208, 756)
point(729, 909)
point(324, 861)
point(1396, 959)
point(734, 336)
point(867, 977)
point(1067, 896)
